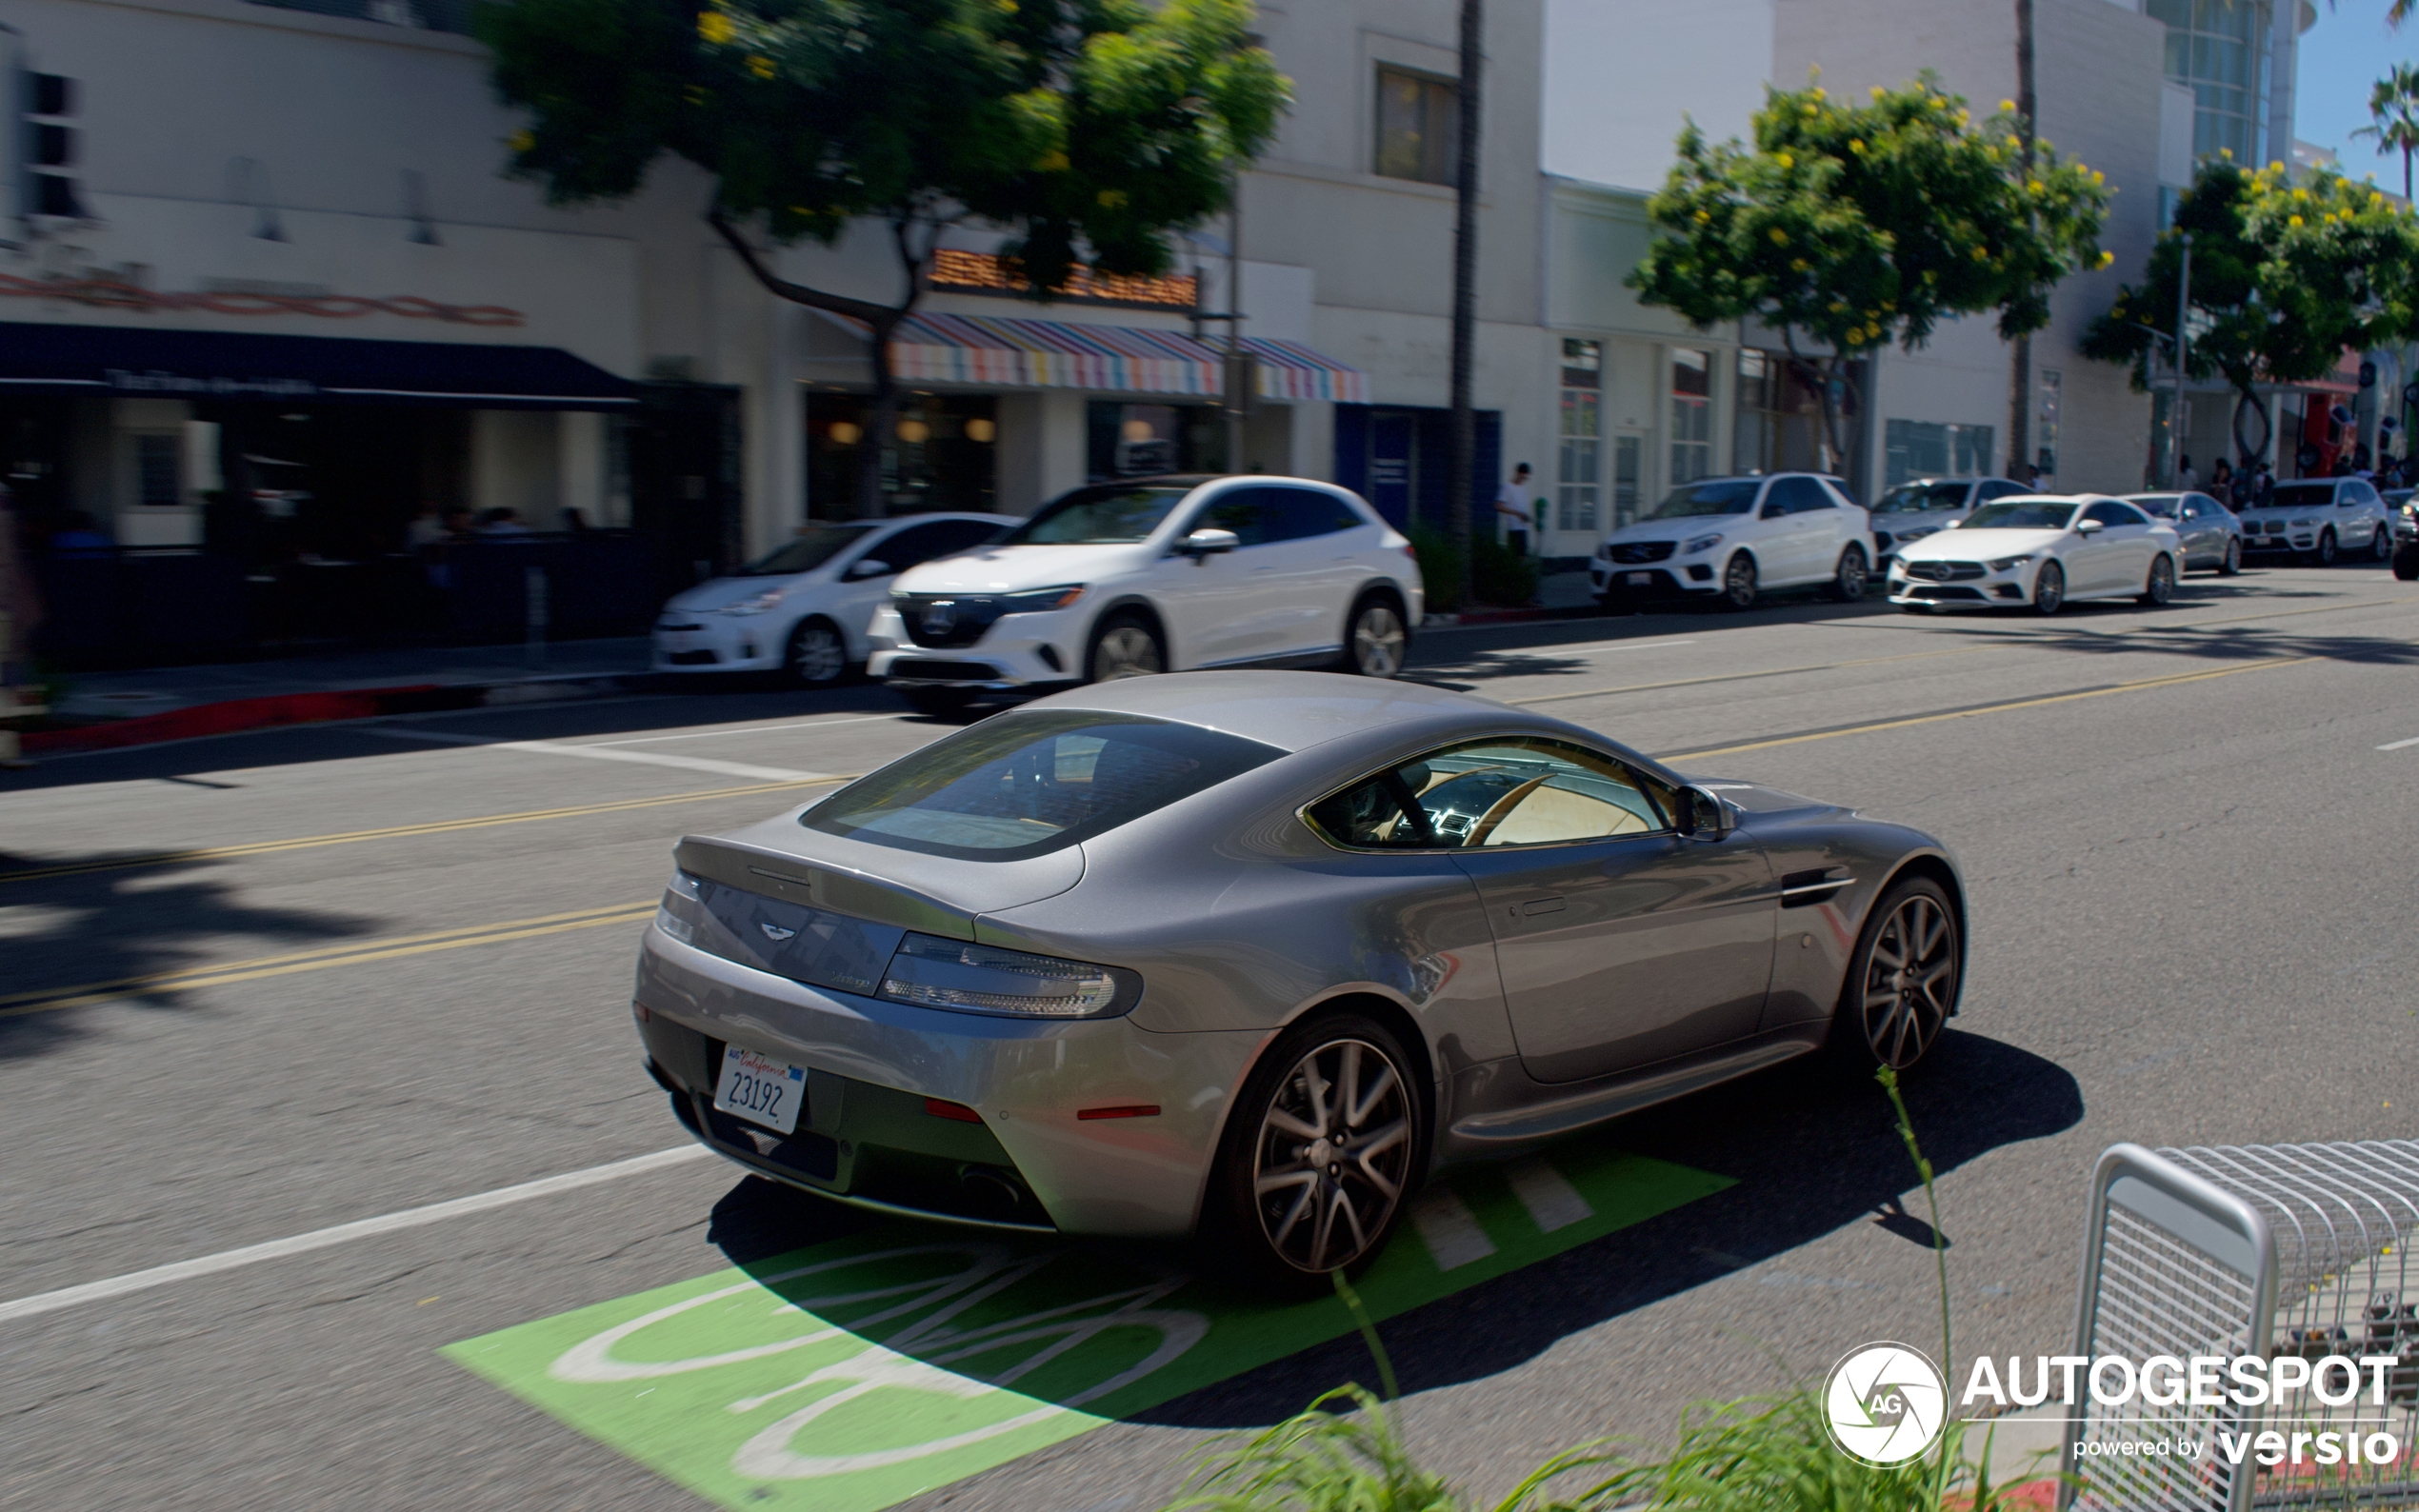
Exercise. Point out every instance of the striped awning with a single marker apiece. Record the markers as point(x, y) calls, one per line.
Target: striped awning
point(1118, 359)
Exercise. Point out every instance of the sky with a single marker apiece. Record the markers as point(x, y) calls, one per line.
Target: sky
point(2341, 57)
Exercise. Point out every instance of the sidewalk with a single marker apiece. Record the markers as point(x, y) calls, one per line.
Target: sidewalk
point(112, 710)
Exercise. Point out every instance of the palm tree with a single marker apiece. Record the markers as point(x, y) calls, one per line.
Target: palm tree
point(2394, 105)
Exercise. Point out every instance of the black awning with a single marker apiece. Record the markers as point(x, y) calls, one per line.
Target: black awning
point(133, 363)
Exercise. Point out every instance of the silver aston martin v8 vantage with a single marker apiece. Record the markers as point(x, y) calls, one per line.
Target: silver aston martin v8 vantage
point(1253, 953)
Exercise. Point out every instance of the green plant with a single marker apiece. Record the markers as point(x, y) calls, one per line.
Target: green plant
point(2393, 113)
point(1501, 575)
point(1440, 569)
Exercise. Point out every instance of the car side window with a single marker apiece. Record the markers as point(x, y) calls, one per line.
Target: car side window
point(1810, 494)
point(1493, 793)
point(1298, 514)
point(916, 544)
point(1776, 500)
point(1241, 510)
point(2354, 495)
point(2189, 509)
point(2110, 512)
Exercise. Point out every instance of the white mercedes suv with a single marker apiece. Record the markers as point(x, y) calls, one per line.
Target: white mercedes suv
point(1736, 538)
point(1156, 575)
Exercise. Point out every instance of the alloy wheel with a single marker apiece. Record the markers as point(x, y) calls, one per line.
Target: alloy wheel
point(2233, 563)
point(1738, 581)
point(1125, 651)
point(2162, 585)
point(1332, 1157)
point(2327, 547)
point(1910, 981)
point(817, 655)
point(2048, 589)
point(1377, 641)
point(1848, 580)
point(2381, 545)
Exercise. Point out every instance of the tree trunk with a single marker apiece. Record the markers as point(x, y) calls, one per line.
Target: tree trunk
point(2248, 399)
point(2020, 351)
point(881, 421)
point(1461, 453)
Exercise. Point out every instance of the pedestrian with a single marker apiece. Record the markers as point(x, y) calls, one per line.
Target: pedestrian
point(2185, 476)
point(2265, 493)
point(2222, 477)
point(2032, 477)
point(1511, 511)
point(2239, 497)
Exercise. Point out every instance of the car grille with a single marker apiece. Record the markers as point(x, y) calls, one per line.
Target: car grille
point(692, 658)
point(668, 625)
point(945, 620)
point(1944, 571)
point(1643, 551)
point(1937, 590)
point(933, 670)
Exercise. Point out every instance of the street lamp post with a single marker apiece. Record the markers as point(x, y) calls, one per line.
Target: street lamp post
point(2183, 349)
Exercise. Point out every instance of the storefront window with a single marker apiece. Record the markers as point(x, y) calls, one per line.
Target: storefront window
point(940, 454)
point(1582, 431)
point(1915, 449)
point(1135, 440)
point(1691, 415)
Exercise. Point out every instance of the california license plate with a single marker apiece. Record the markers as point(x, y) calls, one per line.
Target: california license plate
point(1638, 580)
point(761, 1089)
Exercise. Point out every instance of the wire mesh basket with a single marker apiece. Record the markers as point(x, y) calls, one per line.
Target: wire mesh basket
point(2292, 1255)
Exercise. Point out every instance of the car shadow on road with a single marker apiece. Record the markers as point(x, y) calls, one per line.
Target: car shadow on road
point(76, 940)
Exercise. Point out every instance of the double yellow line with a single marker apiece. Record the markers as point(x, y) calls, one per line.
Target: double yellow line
point(361, 952)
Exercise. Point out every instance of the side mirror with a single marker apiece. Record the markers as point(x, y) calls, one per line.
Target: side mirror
point(1207, 542)
point(2088, 528)
point(1774, 510)
point(866, 567)
point(1703, 816)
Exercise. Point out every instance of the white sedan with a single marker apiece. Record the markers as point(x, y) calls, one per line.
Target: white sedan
point(803, 609)
point(2040, 549)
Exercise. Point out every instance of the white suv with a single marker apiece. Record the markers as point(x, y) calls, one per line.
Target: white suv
point(1156, 575)
point(1736, 538)
point(2321, 518)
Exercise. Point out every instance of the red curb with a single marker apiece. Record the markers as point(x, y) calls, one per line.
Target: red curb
point(250, 713)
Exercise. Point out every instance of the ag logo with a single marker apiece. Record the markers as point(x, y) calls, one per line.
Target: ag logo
point(1885, 1403)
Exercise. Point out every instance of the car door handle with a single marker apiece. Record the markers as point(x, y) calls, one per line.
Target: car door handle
point(1537, 906)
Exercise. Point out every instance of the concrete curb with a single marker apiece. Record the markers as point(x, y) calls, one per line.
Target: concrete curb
point(232, 716)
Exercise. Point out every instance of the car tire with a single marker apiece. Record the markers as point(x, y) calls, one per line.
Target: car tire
point(817, 654)
point(1851, 575)
point(1375, 638)
point(2325, 555)
point(1124, 645)
point(2048, 589)
point(1738, 581)
point(2407, 565)
point(2233, 565)
point(2381, 545)
point(937, 701)
point(2160, 590)
point(1903, 979)
point(1276, 1212)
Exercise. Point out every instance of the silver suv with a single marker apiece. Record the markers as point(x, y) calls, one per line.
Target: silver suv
point(1920, 506)
point(2321, 518)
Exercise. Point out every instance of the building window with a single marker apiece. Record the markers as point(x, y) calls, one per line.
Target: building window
point(1691, 415)
point(1582, 434)
point(2220, 49)
point(2044, 424)
point(1626, 469)
point(1418, 126)
point(1916, 448)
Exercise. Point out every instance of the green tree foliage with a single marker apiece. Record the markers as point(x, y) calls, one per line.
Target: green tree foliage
point(2284, 277)
point(1846, 227)
point(1087, 129)
point(2393, 115)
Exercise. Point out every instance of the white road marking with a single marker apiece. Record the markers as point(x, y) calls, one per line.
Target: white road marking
point(1583, 648)
point(1547, 1194)
point(753, 729)
point(1449, 1229)
point(556, 747)
point(2398, 744)
point(344, 1233)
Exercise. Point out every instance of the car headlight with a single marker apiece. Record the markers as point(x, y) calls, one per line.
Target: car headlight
point(2007, 562)
point(2303, 525)
point(756, 605)
point(1703, 542)
point(960, 975)
point(1041, 601)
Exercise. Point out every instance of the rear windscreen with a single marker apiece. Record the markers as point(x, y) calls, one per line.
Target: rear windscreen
point(1022, 784)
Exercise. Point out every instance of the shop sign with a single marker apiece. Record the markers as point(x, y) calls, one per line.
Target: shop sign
point(156, 382)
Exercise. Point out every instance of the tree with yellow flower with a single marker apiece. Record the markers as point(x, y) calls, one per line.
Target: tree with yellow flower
point(1085, 129)
point(1846, 227)
point(2285, 275)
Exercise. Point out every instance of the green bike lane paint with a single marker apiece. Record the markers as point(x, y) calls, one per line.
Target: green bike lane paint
point(854, 1374)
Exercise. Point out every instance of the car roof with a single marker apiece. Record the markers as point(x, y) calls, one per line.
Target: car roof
point(1289, 710)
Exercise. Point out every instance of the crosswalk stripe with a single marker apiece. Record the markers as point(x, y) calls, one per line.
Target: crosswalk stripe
point(1449, 1229)
point(1548, 1196)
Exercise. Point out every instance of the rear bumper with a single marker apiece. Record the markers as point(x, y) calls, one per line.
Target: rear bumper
point(865, 1138)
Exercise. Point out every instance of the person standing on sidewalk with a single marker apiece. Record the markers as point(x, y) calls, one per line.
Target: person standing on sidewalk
point(1511, 511)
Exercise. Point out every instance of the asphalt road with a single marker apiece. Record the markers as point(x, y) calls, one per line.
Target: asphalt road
point(2192, 884)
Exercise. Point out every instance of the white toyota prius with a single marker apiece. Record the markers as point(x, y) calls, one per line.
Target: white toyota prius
point(2041, 550)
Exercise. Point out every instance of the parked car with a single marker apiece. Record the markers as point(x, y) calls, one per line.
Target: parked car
point(1735, 539)
point(803, 608)
point(2321, 518)
point(1251, 954)
point(1157, 574)
point(2045, 550)
point(2210, 533)
point(1914, 509)
point(2405, 504)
